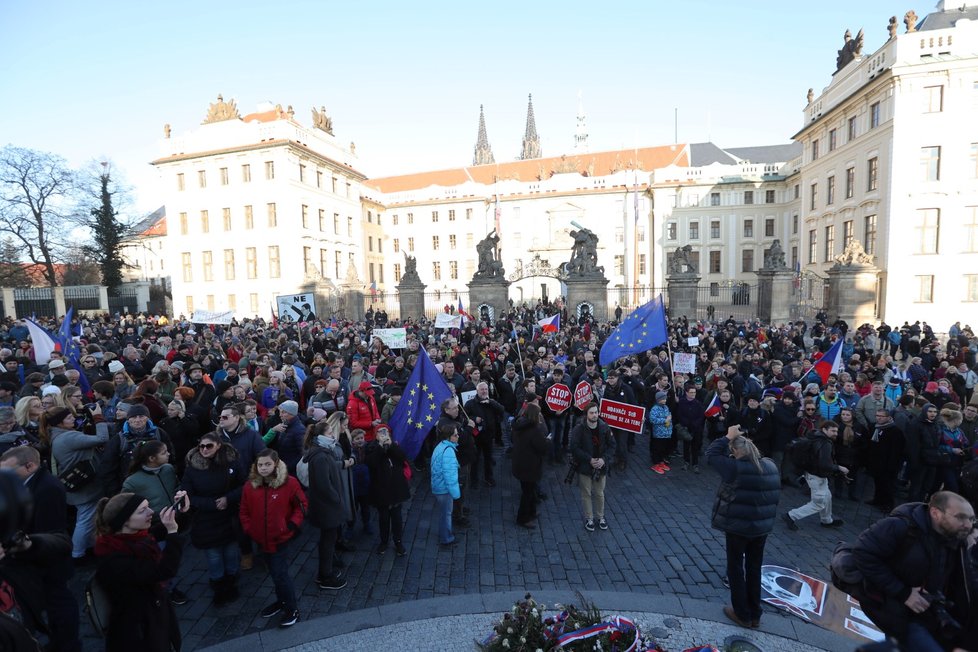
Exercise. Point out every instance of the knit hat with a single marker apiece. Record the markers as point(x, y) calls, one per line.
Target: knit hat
point(50, 390)
point(289, 407)
point(223, 386)
point(661, 396)
point(365, 386)
point(930, 387)
point(138, 410)
point(115, 367)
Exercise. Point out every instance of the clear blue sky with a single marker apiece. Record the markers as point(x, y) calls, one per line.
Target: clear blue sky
point(405, 80)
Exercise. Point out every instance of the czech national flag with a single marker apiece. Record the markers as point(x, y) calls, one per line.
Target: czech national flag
point(830, 363)
point(550, 324)
point(713, 408)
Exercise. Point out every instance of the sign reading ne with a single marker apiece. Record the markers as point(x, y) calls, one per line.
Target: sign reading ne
point(622, 415)
point(396, 338)
point(583, 394)
point(296, 307)
point(558, 398)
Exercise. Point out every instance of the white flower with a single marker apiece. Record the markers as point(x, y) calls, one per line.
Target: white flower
point(522, 639)
point(509, 630)
point(506, 643)
point(535, 613)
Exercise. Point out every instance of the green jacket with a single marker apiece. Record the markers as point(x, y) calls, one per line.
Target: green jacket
point(158, 488)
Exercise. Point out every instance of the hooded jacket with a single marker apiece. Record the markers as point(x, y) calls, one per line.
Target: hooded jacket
point(747, 500)
point(272, 508)
point(444, 469)
point(922, 440)
point(325, 487)
point(205, 480)
point(363, 411)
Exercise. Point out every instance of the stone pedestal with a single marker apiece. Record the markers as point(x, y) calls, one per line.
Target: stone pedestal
point(852, 293)
point(683, 292)
point(352, 297)
point(411, 297)
point(491, 292)
point(590, 293)
point(774, 298)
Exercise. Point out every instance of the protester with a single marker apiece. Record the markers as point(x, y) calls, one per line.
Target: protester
point(593, 449)
point(820, 470)
point(389, 488)
point(530, 442)
point(445, 480)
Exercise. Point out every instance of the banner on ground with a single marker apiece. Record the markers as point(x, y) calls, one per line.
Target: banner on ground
point(212, 317)
point(622, 415)
point(684, 363)
point(446, 320)
point(396, 338)
point(296, 307)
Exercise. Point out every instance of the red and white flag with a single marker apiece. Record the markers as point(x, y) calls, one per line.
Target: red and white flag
point(713, 408)
point(830, 363)
point(550, 324)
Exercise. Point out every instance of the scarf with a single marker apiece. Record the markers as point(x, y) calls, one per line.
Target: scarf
point(138, 544)
point(327, 442)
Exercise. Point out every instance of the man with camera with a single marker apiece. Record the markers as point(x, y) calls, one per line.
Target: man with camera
point(592, 448)
point(919, 576)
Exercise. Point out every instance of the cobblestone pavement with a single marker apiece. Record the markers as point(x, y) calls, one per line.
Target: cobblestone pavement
point(659, 543)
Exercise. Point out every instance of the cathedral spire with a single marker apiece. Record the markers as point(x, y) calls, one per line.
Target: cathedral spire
point(483, 152)
point(531, 140)
point(580, 136)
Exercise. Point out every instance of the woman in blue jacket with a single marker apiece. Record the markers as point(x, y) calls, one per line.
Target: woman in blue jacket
point(444, 480)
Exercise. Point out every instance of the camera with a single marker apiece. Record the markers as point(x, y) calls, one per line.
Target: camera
point(947, 625)
point(571, 473)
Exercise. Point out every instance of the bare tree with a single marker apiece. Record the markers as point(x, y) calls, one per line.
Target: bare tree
point(36, 201)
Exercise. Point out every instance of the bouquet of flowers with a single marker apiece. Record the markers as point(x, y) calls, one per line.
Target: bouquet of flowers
point(527, 628)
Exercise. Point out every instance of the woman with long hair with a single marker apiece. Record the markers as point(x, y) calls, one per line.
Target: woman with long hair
point(213, 480)
point(850, 451)
point(27, 415)
point(530, 445)
point(325, 461)
point(147, 392)
point(70, 447)
point(745, 508)
point(133, 570)
point(73, 399)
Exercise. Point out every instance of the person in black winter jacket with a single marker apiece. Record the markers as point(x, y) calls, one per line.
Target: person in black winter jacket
point(745, 508)
point(785, 422)
point(389, 487)
point(820, 470)
point(922, 440)
point(918, 551)
point(213, 479)
point(529, 448)
point(689, 414)
point(883, 458)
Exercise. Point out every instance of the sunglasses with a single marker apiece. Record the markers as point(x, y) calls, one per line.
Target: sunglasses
point(206, 447)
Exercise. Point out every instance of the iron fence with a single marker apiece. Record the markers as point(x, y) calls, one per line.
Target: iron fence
point(82, 297)
point(125, 300)
point(810, 294)
point(38, 302)
point(720, 301)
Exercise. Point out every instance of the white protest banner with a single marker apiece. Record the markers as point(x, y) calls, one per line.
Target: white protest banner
point(468, 396)
point(693, 341)
point(684, 363)
point(296, 307)
point(396, 338)
point(211, 317)
point(446, 320)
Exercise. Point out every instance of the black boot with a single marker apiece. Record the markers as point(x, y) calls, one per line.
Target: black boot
point(220, 592)
point(231, 588)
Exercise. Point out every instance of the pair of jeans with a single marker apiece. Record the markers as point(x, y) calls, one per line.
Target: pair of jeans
point(744, 558)
point(223, 560)
point(278, 568)
point(557, 424)
point(327, 549)
point(83, 536)
point(443, 515)
point(821, 502)
point(528, 502)
point(391, 522)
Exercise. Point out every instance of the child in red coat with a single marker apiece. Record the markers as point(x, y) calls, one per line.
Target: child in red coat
point(273, 507)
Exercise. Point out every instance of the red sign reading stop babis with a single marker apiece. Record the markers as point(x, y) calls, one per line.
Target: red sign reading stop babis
point(558, 398)
point(622, 415)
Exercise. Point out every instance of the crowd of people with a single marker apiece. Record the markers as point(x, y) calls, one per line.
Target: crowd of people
point(240, 434)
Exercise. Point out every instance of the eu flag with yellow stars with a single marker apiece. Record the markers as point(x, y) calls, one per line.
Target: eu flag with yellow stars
point(642, 330)
point(420, 406)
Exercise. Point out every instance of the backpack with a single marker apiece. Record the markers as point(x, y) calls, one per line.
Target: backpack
point(847, 577)
point(97, 606)
point(801, 452)
point(127, 450)
point(302, 472)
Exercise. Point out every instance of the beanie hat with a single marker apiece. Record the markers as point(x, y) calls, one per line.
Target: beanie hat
point(661, 396)
point(289, 407)
point(115, 367)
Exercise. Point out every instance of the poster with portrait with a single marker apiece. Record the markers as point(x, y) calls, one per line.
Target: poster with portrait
point(296, 307)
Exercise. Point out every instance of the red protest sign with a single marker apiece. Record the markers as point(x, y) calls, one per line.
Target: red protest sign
point(558, 398)
point(622, 415)
point(583, 394)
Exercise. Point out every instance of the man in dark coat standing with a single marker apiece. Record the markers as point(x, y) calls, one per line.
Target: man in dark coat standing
point(488, 416)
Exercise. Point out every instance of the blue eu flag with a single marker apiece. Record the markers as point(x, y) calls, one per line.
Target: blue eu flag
point(420, 406)
point(642, 330)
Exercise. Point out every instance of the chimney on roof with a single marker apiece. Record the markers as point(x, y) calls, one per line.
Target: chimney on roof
point(531, 140)
point(483, 152)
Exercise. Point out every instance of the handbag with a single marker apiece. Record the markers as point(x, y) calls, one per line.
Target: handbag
point(98, 606)
point(79, 476)
point(682, 432)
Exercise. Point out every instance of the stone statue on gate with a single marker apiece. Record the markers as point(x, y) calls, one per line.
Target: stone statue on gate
point(774, 257)
point(410, 274)
point(584, 254)
point(852, 48)
point(854, 255)
point(682, 261)
point(489, 264)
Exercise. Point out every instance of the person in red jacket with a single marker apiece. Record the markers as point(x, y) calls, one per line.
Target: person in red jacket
point(272, 509)
point(362, 410)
